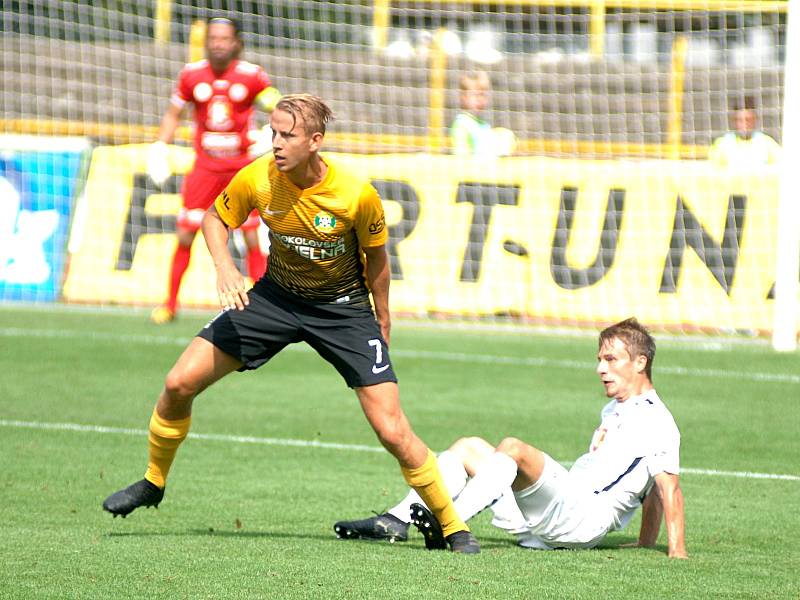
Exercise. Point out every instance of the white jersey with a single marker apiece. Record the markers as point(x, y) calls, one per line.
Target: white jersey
point(738, 154)
point(636, 440)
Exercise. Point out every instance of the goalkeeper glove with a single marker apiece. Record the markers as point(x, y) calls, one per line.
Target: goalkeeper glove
point(158, 168)
point(261, 141)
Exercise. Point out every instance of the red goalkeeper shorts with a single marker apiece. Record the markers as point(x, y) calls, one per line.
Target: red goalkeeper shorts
point(200, 188)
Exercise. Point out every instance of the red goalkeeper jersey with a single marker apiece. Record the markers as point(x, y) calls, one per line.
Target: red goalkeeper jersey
point(223, 110)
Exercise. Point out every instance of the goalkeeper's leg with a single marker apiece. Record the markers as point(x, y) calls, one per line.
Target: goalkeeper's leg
point(256, 259)
point(180, 262)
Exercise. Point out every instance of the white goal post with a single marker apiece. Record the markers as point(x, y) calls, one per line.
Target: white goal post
point(785, 319)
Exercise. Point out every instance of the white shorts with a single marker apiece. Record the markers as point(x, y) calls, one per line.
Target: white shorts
point(560, 515)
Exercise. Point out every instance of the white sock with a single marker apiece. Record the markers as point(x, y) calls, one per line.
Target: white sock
point(506, 512)
point(493, 478)
point(454, 475)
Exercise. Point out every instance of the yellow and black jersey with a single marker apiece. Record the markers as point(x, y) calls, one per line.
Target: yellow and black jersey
point(316, 234)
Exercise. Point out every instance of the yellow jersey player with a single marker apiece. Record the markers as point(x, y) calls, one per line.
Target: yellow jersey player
point(328, 254)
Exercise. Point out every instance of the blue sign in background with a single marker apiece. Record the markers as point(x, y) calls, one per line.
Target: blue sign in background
point(37, 190)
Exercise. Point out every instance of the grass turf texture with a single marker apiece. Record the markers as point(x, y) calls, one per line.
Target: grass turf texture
point(249, 519)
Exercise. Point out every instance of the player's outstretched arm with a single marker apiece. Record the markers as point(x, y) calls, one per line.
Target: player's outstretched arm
point(669, 490)
point(230, 282)
point(169, 123)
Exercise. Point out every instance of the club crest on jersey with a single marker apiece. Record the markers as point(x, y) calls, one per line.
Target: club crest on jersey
point(324, 222)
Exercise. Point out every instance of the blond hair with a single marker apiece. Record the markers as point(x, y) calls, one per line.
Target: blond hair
point(316, 114)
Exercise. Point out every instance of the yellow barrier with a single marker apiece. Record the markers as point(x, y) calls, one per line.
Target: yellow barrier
point(163, 20)
point(95, 273)
point(675, 243)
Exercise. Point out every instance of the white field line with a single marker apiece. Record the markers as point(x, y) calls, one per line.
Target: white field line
point(695, 341)
point(522, 361)
point(238, 439)
point(235, 439)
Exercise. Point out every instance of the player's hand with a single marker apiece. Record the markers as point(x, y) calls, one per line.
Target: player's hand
point(261, 141)
point(158, 162)
point(231, 288)
point(504, 141)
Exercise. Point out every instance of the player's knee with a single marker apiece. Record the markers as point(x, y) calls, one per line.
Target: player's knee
point(392, 437)
point(179, 385)
point(471, 451)
point(514, 447)
point(186, 237)
point(393, 433)
point(471, 446)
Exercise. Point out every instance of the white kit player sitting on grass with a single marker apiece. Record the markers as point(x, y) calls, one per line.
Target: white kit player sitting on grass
point(633, 460)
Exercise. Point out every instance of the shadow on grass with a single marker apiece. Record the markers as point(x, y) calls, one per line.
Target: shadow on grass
point(415, 543)
point(217, 533)
point(487, 542)
point(625, 543)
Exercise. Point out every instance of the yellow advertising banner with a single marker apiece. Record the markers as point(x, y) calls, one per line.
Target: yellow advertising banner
point(566, 240)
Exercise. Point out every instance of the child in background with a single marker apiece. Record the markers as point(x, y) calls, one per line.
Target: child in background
point(470, 133)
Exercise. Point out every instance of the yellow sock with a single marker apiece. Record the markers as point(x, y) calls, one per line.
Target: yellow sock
point(427, 481)
point(165, 437)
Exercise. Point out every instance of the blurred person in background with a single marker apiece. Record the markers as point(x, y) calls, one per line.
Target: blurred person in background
point(224, 90)
point(744, 146)
point(471, 134)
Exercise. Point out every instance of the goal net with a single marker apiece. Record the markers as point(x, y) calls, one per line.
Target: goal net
point(594, 196)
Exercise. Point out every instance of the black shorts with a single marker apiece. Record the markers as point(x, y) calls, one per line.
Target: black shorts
point(346, 335)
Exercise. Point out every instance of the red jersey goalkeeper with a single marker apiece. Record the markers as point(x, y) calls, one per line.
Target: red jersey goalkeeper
point(224, 91)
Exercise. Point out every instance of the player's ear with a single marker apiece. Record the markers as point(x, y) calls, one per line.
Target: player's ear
point(640, 363)
point(315, 141)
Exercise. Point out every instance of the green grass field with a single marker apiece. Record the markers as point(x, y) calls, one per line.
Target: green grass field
point(279, 454)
